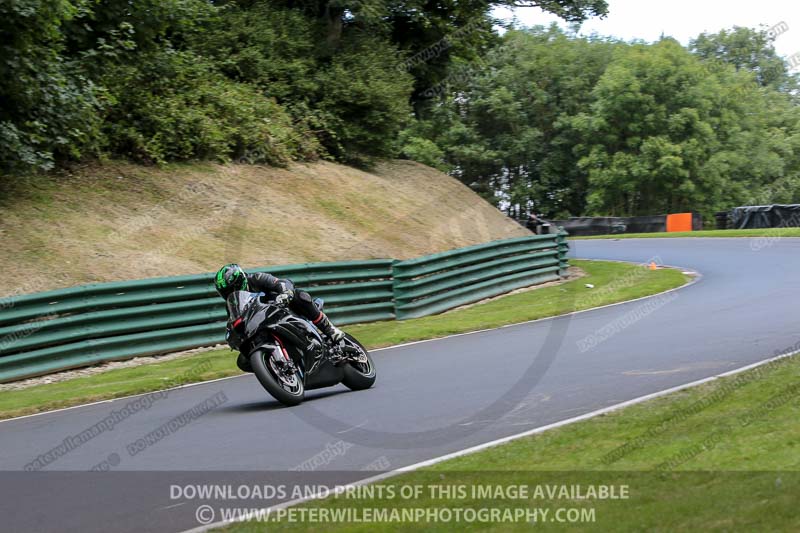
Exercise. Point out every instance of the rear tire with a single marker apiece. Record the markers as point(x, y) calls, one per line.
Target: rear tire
point(259, 361)
point(359, 376)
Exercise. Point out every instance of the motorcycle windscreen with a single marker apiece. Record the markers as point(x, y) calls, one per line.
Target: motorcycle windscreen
point(239, 301)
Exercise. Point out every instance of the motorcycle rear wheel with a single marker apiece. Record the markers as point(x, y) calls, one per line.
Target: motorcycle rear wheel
point(359, 376)
point(288, 392)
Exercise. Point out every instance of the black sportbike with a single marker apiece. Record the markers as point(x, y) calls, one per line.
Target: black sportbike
point(288, 354)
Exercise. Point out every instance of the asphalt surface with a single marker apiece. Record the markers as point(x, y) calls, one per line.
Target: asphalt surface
point(430, 399)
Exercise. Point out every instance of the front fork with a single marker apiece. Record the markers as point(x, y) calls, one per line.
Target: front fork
point(280, 355)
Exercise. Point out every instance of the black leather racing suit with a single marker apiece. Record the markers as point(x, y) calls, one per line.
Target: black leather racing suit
point(302, 303)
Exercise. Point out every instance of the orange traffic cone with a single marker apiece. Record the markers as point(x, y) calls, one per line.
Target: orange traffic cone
point(653, 265)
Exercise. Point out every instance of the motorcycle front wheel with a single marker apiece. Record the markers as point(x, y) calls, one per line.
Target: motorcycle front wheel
point(286, 388)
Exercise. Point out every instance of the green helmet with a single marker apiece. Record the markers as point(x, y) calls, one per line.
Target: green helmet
point(230, 278)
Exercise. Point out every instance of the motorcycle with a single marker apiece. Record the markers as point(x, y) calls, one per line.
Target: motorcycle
point(288, 354)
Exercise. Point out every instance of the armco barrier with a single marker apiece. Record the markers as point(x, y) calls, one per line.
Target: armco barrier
point(68, 328)
point(434, 283)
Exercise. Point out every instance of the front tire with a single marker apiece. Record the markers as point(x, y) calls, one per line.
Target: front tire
point(287, 390)
point(359, 376)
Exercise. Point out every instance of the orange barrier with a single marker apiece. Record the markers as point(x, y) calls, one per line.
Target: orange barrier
point(679, 222)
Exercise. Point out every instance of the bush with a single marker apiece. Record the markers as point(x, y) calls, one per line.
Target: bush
point(269, 47)
point(424, 151)
point(176, 106)
point(353, 95)
point(49, 109)
point(363, 101)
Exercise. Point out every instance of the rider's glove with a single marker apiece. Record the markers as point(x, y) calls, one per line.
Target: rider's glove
point(284, 298)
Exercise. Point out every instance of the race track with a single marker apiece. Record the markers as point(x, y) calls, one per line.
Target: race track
point(431, 398)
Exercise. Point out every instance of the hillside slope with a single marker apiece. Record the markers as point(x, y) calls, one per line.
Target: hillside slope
point(120, 221)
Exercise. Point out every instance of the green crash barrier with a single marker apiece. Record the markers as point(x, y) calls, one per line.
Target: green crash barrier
point(437, 282)
point(79, 326)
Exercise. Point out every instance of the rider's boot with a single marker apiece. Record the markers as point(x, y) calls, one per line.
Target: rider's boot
point(325, 325)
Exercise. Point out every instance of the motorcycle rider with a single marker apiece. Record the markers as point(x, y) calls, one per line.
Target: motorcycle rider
point(232, 277)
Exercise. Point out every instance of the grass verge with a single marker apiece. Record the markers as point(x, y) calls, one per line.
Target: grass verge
point(766, 233)
point(723, 456)
point(614, 282)
point(171, 215)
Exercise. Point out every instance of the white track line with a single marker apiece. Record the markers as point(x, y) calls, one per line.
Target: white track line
point(695, 278)
point(504, 440)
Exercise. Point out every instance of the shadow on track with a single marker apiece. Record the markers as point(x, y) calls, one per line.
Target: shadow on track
point(272, 405)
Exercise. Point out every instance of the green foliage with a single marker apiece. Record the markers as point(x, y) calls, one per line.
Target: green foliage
point(175, 106)
point(650, 161)
point(354, 96)
point(692, 138)
point(271, 48)
point(571, 11)
point(262, 80)
point(423, 150)
point(505, 127)
point(49, 108)
point(746, 49)
point(560, 125)
point(363, 101)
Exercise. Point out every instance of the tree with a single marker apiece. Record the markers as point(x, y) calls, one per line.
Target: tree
point(353, 95)
point(575, 11)
point(557, 124)
point(505, 129)
point(747, 49)
point(432, 35)
point(666, 134)
point(49, 108)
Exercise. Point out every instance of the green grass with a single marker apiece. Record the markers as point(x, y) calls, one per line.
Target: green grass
point(766, 232)
point(614, 282)
point(117, 383)
point(530, 305)
point(723, 456)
